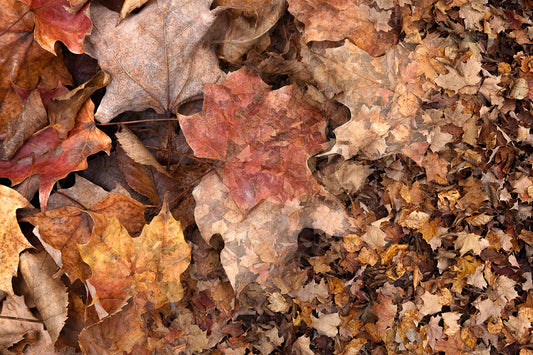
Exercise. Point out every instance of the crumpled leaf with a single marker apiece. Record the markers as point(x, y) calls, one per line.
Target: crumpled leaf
point(47, 291)
point(25, 64)
point(249, 26)
point(326, 324)
point(52, 158)
point(261, 243)
point(53, 22)
point(14, 330)
point(147, 268)
point(156, 57)
point(337, 20)
point(12, 241)
point(264, 138)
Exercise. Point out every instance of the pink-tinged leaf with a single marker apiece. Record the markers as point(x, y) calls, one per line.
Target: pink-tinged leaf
point(264, 137)
point(53, 159)
point(53, 22)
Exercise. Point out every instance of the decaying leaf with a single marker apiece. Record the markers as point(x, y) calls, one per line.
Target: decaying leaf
point(156, 58)
point(47, 291)
point(261, 243)
point(337, 20)
point(264, 138)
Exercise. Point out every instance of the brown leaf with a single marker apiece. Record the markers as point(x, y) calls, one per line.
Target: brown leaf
point(264, 137)
point(336, 20)
point(26, 64)
point(115, 334)
point(62, 110)
point(12, 241)
point(249, 26)
point(47, 291)
point(32, 117)
point(156, 57)
point(136, 150)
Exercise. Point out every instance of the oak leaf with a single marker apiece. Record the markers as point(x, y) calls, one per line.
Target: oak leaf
point(51, 158)
point(12, 241)
point(156, 57)
point(264, 138)
point(147, 268)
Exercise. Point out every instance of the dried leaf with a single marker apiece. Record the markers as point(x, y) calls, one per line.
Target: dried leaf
point(12, 241)
point(264, 137)
point(47, 291)
point(165, 41)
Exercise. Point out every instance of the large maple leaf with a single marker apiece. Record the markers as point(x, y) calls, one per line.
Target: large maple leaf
point(264, 138)
point(157, 58)
point(25, 64)
point(51, 158)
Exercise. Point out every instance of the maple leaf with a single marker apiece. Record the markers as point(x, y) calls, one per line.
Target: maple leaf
point(12, 241)
point(147, 267)
point(156, 57)
point(51, 158)
point(325, 20)
point(54, 22)
point(260, 244)
point(25, 64)
point(264, 138)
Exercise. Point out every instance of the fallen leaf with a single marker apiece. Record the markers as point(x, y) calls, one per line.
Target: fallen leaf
point(25, 63)
point(64, 228)
point(53, 159)
point(147, 268)
point(264, 138)
point(12, 241)
point(47, 291)
point(156, 57)
point(327, 324)
point(260, 243)
point(365, 26)
point(249, 26)
point(115, 334)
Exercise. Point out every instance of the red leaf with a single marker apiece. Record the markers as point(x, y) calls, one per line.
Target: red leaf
point(53, 22)
point(53, 159)
point(264, 137)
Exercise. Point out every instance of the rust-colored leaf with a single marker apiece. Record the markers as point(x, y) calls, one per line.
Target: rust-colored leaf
point(264, 138)
point(52, 158)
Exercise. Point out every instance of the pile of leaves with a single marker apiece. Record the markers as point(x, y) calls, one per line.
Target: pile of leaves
point(270, 176)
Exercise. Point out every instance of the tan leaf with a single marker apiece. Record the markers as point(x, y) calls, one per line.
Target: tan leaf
point(12, 241)
point(47, 290)
point(327, 324)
